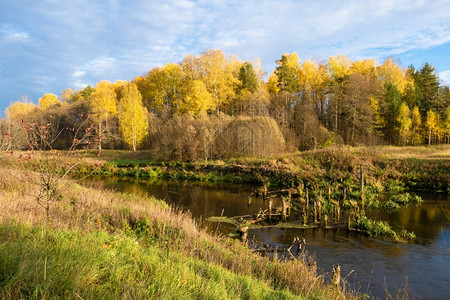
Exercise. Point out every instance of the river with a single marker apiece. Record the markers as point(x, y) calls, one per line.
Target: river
point(368, 265)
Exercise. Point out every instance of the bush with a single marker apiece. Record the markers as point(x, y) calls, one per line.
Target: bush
point(375, 228)
point(395, 185)
point(391, 205)
point(404, 199)
point(254, 136)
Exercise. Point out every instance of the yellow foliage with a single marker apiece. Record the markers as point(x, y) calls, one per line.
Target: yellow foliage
point(133, 116)
point(173, 72)
point(118, 85)
point(48, 100)
point(389, 71)
point(172, 80)
point(365, 67)
point(431, 121)
point(432, 124)
point(380, 122)
point(447, 120)
point(197, 99)
point(272, 84)
point(417, 121)
point(152, 88)
point(213, 69)
point(416, 124)
point(191, 67)
point(233, 66)
point(405, 123)
point(293, 60)
point(314, 77)
point(103, 100)
point(446, 125)
point(19, 109)
point(339, 66)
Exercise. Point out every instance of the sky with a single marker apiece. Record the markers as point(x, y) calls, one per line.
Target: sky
point(47, 46)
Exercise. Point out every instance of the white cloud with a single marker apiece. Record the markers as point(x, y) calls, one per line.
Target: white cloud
point(78, 73)
point(445, 77)
point(95, 70)
point(9, 33)
point(82, 42)
point(101, 65)
point(79, 85)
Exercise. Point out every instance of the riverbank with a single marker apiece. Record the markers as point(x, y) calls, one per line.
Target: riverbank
point(330, 186)
point(425, 168)
point(96, 243)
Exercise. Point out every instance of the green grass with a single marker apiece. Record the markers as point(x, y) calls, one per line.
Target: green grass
point(383, 230)
point(99, 265)
point(395, 201)
point(375, 228)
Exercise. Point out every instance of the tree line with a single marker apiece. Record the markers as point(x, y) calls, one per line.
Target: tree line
point(211, 105)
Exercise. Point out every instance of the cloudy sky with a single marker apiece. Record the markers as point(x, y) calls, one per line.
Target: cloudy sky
point(47, 46)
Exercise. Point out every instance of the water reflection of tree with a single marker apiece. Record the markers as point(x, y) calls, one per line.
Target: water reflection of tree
point(187, 198)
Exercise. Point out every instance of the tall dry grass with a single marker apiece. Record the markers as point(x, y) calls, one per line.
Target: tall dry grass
point(95, 209)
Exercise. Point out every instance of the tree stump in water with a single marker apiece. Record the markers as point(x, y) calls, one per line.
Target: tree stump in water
point(283, 210)
point(315, 211)
point(305, 216)
point(270, 209)
point(243, 231)
point(361, 185)
point(336, 277)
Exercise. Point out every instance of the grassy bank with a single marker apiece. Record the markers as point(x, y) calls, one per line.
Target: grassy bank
point(98, 265)
point(411, 167)
point(103, 244)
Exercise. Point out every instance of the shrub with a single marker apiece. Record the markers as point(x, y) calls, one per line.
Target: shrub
point(255, 136)
point(403, 199)
point(375, 228)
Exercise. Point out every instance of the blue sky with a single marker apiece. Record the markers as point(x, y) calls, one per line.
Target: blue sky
point(47, 46)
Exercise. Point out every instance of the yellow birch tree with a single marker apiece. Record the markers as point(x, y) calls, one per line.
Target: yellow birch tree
point(48, 100)
point(339, 67)
point(364, 67)
point(19, 109)
point(197, 99)
point(431, 124)
point(103, 103)
point(211, 68)
point(416, 123)
point(405, 122)
point(133, 119)
point(389, 71)
point(447, 125)
point(272, 84)
point(314, 80)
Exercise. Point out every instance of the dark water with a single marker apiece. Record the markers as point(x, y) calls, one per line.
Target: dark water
point(369, 266)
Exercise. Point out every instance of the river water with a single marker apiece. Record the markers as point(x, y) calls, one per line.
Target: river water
point(368, 265)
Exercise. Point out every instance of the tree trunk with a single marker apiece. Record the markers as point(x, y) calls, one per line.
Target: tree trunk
point(100, 136)
point(429, 137)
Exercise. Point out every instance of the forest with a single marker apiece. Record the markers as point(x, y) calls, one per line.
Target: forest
point(211, 106)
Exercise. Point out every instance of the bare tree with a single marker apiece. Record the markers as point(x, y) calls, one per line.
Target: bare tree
point(53, 166)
